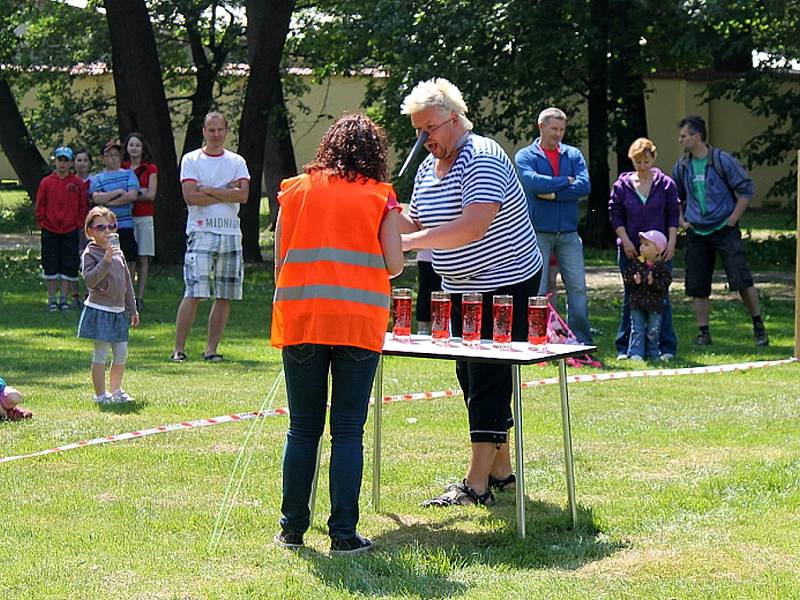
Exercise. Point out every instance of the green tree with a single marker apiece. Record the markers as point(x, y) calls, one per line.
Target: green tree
point(769, 89)
point(142, 106)
point(15, 139)
point(211, 33)
point(270, 19)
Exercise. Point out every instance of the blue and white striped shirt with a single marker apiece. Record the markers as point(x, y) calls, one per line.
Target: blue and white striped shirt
point(508, 252)
point(110, 181)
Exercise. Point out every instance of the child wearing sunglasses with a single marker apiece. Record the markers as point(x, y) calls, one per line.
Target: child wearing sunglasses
point(110, 308)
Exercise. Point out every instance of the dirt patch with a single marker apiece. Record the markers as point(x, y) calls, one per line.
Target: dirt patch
point(19, 241)
point(604, 281)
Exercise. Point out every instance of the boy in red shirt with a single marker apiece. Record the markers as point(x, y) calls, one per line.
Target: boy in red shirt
point(61, 207)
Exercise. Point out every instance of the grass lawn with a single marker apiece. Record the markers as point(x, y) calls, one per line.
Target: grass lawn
point(689, 487)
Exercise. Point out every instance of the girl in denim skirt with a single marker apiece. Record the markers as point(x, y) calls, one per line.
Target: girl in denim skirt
point(110, 308)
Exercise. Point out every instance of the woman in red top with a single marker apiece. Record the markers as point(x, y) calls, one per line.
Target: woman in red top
point(136, 157)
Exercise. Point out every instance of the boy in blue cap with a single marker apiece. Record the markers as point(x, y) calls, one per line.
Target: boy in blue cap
point(61, 207)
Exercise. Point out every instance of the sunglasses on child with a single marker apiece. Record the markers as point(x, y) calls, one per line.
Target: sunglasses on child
point(104, 227)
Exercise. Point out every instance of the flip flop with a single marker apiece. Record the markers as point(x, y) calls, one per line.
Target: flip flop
point(213, 357)
point(178, 357)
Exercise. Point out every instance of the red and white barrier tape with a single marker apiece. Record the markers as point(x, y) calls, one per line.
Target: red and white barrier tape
point(404, 398)
point(607, 377)
point(151, 431)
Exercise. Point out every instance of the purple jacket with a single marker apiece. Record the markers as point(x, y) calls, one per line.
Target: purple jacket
point(661, 212)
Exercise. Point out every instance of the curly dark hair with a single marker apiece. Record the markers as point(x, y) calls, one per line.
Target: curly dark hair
point(354, 147)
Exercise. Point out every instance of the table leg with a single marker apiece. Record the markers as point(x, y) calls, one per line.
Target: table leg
point(518, 452)
point(376, 458)
point(562, 383)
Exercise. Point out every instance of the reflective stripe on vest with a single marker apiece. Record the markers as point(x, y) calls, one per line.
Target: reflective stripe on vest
point(332, 292)
point(349, 257)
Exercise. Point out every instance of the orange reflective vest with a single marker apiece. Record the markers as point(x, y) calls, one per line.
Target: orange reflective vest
point(333, 287)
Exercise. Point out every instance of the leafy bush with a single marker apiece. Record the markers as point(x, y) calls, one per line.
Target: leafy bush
point(16, 213)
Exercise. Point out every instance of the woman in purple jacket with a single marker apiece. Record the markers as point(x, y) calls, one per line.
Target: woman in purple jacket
point(643, 200)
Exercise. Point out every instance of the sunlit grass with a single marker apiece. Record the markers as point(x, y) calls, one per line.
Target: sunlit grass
point(689, 487)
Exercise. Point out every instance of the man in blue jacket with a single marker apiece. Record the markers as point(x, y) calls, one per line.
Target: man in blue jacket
point(554, 176)
point(714, 190)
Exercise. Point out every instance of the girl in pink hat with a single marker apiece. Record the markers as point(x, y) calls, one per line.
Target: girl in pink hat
point(647, 280)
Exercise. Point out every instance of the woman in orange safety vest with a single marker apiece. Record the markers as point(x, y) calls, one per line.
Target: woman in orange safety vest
point(337, 243)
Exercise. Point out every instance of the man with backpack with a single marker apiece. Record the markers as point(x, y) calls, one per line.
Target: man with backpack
point(714, 190)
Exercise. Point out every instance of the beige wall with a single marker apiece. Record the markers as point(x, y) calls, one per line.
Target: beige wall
point(730, 125)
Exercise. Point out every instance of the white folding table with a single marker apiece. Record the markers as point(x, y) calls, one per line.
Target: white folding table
point(519, 354)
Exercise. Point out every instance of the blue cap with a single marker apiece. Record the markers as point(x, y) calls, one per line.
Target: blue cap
point(64, 151)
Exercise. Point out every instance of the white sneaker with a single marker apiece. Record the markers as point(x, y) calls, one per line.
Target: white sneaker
point(666, 357)
point(121, 396)
point(634, 357)
point(622, 356)
point(103, 399)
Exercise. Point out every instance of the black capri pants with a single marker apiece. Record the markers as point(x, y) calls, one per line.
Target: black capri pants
point(428, 282)
point(487, 387)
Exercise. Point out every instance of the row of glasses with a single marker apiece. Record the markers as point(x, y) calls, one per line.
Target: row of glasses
point(471, 313)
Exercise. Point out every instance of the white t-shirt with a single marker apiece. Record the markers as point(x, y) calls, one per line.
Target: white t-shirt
point(214, 171)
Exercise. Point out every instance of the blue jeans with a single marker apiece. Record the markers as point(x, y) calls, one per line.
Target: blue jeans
point(352, 371)
point(645, 330)
point(668, 341)
point(568, 249)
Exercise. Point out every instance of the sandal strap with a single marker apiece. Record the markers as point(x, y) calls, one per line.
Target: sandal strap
point(502, 484)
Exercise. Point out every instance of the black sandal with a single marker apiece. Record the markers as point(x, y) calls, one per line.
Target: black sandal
point(460, 494)
point(509, 483)
point(178, 357)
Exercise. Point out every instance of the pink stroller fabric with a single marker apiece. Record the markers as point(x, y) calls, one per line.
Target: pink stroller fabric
point(558, 332)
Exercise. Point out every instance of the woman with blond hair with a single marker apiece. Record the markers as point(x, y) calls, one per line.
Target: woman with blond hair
point(644, 199)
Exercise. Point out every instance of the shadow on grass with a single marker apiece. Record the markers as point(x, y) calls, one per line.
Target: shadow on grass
point(123, 408)
point(424, 558)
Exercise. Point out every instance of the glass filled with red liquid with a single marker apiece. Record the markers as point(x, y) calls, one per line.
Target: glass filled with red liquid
point(538, 314)
point(471, 305)
point(401, 309)
point(440, 318)
point(503, 313)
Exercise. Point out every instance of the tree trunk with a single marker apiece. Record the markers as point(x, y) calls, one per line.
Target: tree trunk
point(597, 232)
point(626, 82)
point(17, 144)
point(203, 96)
point(142, 103)
point(268, 38)
point(279, 159)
